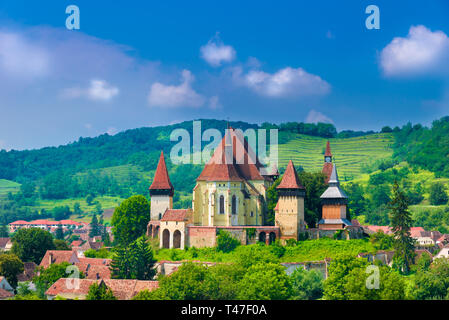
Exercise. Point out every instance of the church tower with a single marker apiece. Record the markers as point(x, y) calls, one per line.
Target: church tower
point(327, 167)
point(161, 191)
point(289, 210)
point(334, 201)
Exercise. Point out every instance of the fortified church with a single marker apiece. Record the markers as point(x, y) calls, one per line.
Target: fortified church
point(230, 195)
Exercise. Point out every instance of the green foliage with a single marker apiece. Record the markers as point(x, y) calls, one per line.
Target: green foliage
point(4, 233)
point(59, 233)
point(306, 285)
point(438, 194)
point(61, 245)
point(94, 227)
point(100, 292)
point(10, 267)
point(102, 253)
point(434, 282)
point(382, 241)
point(134, 262)
point(31, 244)
point(349, 276)
point(265, 281)
point(226, 242)
point(401, 222)
point(130, 219)
point(251, 233)
point(47, 277)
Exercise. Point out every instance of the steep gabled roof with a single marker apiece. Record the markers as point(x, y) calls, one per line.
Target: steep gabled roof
point(328, 152)
point(161, 179)
point(290, 180)
point(233, 160)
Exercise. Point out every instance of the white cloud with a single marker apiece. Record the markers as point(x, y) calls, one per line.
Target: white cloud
point(315, 117)
point(98, 90)
point(20, 58)
point(171, 96)
point(101, 90)
point(422, 51)
point(215, 52)
point(285, 82)
point(214, 103)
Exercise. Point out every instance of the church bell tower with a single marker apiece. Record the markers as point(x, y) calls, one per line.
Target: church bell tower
point(161, 191)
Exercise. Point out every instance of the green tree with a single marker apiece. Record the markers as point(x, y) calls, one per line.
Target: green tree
point(77, 209)
point(98, 209)
point(94, 227)
point(30, 245)
point(401, 222)
point(90, 199)
point(306, 285)
point(100, 292)
point(10, 267)
point(438, 195)
point(226, 242)
point(122, 263)
point(4, 231)
point(382, 241)
point(433, 283)
point(143, 260)
point(130, 219)
point(61, 245)
point(47, 277)
point(265, 282)
point(59, 233)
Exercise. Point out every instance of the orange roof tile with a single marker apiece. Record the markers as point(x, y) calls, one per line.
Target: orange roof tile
point(233, 160)
point(328, 152)
point(290, 180)
point(161, 179)
point(176, 215)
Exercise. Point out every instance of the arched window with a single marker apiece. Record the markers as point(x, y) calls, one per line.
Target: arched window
point(222, 206)
point(234, 205)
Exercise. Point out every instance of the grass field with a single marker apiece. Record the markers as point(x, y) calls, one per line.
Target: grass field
point(7, 186)
point(349, 154)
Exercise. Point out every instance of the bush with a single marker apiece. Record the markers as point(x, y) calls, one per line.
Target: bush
point(226, 242)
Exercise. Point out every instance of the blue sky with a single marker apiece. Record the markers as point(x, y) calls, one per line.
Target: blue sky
point(145, 63)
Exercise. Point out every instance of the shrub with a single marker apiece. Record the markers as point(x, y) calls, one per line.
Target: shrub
point(226, 242)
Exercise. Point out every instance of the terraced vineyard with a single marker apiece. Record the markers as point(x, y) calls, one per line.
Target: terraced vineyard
point(7, 186)
point(349, 153)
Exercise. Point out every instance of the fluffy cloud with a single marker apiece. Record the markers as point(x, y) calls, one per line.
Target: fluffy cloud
point(171, 96)
point(215, 52)
point(422, 51)
point(315, 117)
point(99, 90)
point(287, 82)
point(19, 58)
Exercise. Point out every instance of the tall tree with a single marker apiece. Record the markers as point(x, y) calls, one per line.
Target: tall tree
point(143, 263)
point(31, 244)
point(401, 222)
point(122, 263)
point(94, 227)
point(100, 292)
point(130, 219)
point(4, 231)
point(59, 233)
point(10, 267)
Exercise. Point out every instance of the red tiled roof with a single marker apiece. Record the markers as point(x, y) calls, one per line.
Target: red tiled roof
point(176, 215)
point(76, 243)
point(327, 170)
point(290, 179)
point(384, 229)
point(161, 179)
point(5, 294)
point(122, 289)
point(58, 257)
point(236, 164)
point(4, 242)
point(19, 222)
point(328, 152)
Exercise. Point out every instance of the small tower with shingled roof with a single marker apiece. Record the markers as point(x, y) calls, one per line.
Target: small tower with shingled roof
point(289, 212)
point(161, 191)
point(327, 167)
point(334, 202)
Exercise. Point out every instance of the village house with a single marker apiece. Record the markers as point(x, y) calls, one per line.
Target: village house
point(122, 289)
point(93, 268)
point(5, 244)
point(6, 290)
point(46, 225)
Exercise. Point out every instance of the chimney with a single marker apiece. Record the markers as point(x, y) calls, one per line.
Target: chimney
point(50, 256)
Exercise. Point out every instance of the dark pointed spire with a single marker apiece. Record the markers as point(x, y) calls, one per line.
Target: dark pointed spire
point(161, 179)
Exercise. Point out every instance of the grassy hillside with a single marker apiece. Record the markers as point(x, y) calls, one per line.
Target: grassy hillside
point(349, 153)
point(7, 186)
